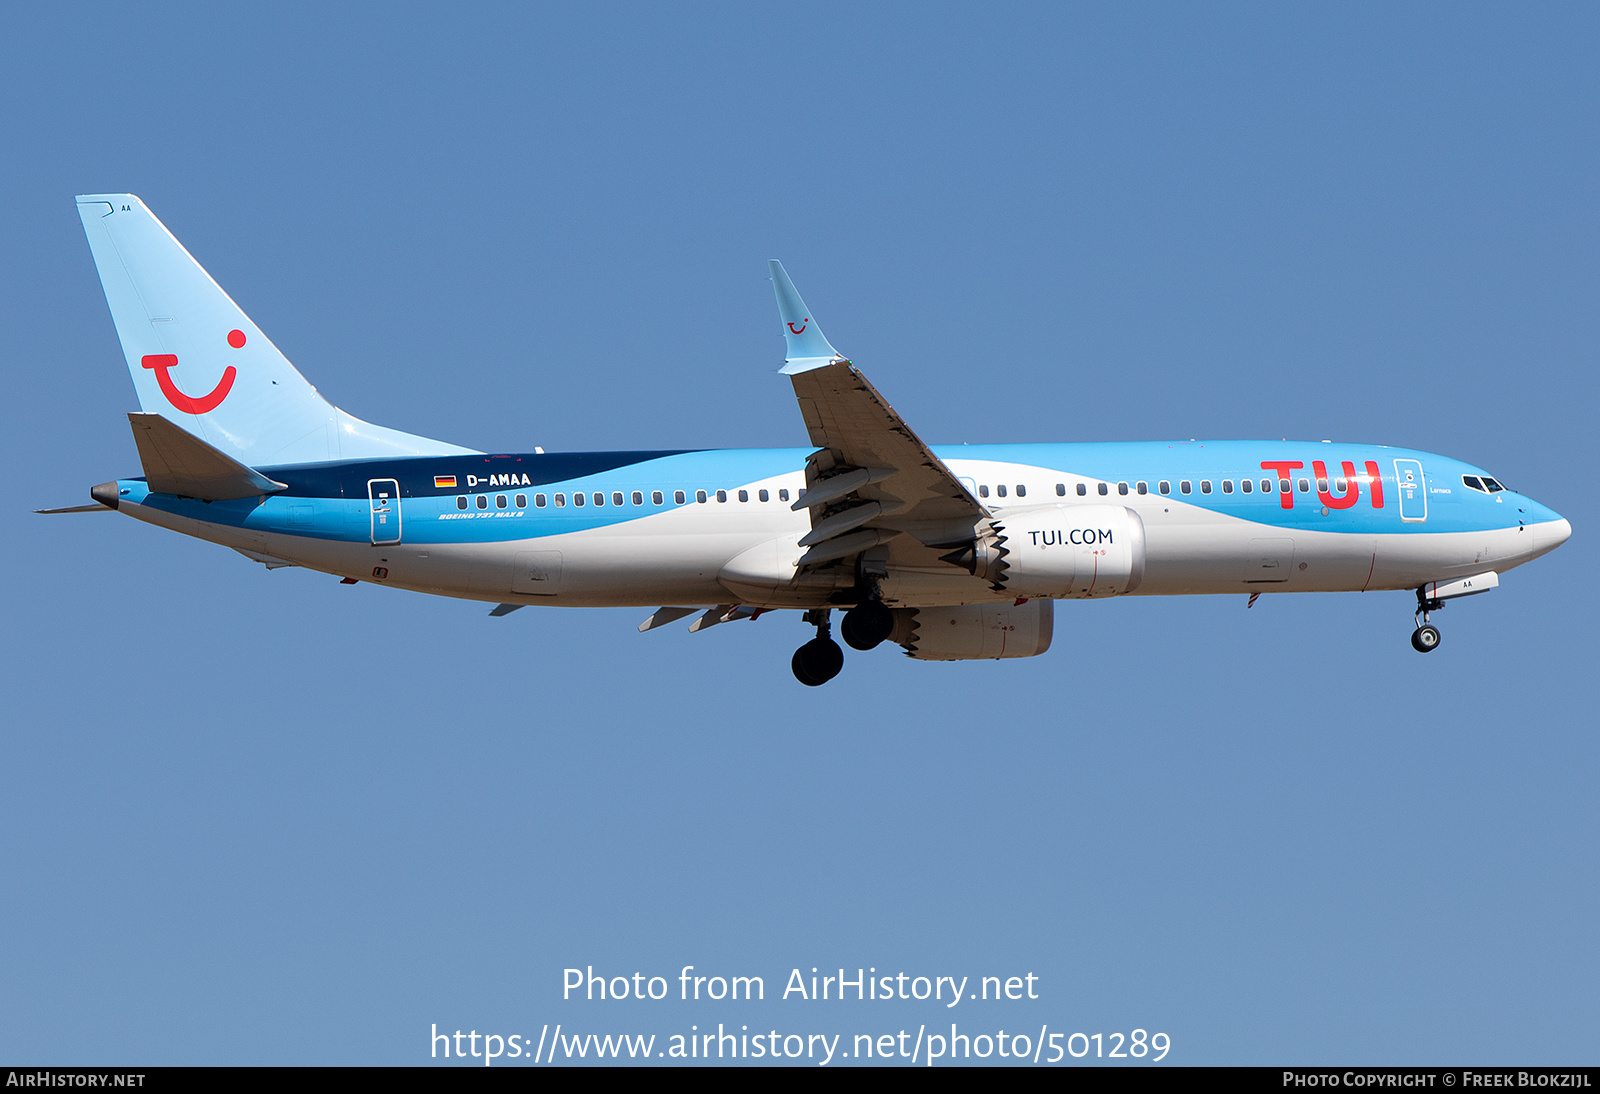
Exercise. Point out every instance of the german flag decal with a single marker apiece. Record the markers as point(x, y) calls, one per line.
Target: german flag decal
point(444, 482)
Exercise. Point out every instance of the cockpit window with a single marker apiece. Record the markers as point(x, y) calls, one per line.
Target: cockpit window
point(1474, 482)
point(1483, 483)
point(1494, 487)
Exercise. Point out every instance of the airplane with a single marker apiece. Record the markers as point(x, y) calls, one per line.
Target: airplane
point(950, 552)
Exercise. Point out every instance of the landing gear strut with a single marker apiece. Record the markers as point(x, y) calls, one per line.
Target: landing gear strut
point(1426, 638)
point(820, 659)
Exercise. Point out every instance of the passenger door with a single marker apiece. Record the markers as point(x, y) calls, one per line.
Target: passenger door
point(1413, 491)
point(385, 496)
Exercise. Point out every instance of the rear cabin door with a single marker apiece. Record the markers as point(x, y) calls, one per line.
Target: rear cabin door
point(1413, 490)
point(385, 495)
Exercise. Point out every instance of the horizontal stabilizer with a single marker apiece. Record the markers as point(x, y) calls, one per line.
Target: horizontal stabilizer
point(177, 462)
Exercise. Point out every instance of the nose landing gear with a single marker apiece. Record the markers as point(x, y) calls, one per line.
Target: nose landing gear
point(1426, 638)
point(820, 659)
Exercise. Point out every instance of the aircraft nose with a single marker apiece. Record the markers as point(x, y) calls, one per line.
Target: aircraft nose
point(1551, 534)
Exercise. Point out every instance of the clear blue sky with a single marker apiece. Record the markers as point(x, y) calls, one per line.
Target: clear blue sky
point(260, 817)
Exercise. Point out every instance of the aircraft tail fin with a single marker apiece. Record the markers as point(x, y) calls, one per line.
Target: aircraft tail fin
point(198, 361)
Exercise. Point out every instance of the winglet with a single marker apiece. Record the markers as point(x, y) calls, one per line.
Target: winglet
point(806, 348)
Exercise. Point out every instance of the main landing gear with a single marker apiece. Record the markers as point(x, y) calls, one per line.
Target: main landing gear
point(867, 625)
point(820, 659)
point(1426, 638)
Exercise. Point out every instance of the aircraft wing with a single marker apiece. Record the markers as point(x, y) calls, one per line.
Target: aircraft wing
point(872, 478)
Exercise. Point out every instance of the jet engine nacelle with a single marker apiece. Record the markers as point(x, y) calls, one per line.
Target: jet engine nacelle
point(975, 631)
point(1077, 551)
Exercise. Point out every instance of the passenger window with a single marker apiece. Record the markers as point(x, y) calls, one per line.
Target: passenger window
point(638, 498)
point(1061, 489)
point(655, 497)
point(1342, 484)
point(499, 501)
point(783, 495)
point(1122, 488)
point(538, 501)
point(1141, 487)
point(599, 498)
point(762, 495)
point(1205, 486)
point(1322, 486)
point(700, 496)
point(1227, 486)
point(577, 498)
point(983, 491)
point(1104, 489)
point(561, 501)
point(461, 503)
point(522, 501)
point(1001, 490)
point(1183, 486)
point(1304, 486)
point(677, 496)
point(1022, 491)
point(616, 498)
point(744, 495)
point(1283, 484)
point(722, 495)
point(1266, 486)
point(1246, 485)
point(1164, 486)
point(1083, 489)
point(483, 502)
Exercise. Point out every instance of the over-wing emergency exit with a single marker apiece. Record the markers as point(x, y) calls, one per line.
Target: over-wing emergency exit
point(950, 552)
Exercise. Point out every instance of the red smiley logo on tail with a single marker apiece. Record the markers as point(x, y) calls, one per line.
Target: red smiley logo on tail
point(802, 327)
point(161, 362)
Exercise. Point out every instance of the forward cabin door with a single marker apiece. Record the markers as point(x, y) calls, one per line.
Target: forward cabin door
point(1413, 490)
point(385, 496)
